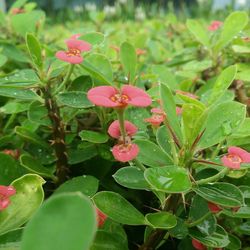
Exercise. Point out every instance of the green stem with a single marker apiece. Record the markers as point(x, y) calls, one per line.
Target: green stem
point(197, 222)
point(120, 114)
point(216, 151)
point(66, 79)
point(139, 165)
point(9, 122)
point(172, 145)
point(213, 178)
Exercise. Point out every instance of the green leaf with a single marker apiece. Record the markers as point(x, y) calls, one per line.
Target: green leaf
point(217, 126)
point(86, 184)
point(151, 155)
point(118, 209)
point(28, 198)
point(224, 80)
point(34, 166)
point(128, 60)
point(27, 135)
point(9, 169)
point(94, 38)
point(199, 32)
point(180, 231)
point(235, 243)
point(169, 107)
point(14, 107)
point(233, 24)
point(27, 22)
point(11, 240)
point(35, 50)
point(165, 76)
point(163, 139)
point(218, 239)
point(64, 230)
point(163, 220)
point(74, 99)
point(3, 60)
point(171, 179)
point(94, 137)
point(38, 113)
point(243, 213)
point(80, 155)
point(22, 94)
point(131, 177)
point(241, 49)
point(99, 67)
point(223, 194)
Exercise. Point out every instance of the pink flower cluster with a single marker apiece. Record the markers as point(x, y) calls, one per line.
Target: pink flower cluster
point(111, 97)
point(75, 48)
point(5, 193)
point(215, 25)
point(235, 157)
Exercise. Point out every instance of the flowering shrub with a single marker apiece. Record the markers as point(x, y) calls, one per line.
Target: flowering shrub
point(142, 142)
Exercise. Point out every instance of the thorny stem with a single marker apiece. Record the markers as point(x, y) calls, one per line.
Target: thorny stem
point(120, 114)
point(66, 79)
point(213, 178)
point(58, 141)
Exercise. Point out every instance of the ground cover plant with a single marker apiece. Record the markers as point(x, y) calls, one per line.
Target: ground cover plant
point(123, 136)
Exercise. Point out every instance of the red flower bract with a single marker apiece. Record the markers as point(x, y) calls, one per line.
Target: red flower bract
point(5, 193)
point(101, 217)
point(214, 208)
point(125, 152)
point(215, 25)
point(115, 132)
point(73, 55)
point(235, 157)
point(198, 245)
point(107, 96)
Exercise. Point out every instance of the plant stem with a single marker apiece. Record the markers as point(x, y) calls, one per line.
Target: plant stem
point(213, 178)
point(9, 122)
point(197, 222)
point(216, 151)
point(66, 79)
point(139, 165)
point(58, 141)
point(120, 114)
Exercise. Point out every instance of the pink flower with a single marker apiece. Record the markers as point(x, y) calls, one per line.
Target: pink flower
point(215, 25)
point(140, 52)
point(198, 245)
point(180, 92)
point(235, 157)
point(157, 118)
point(108, 96)
point(101, 217)
point(73, 55)
point(115, 132)
point(16, 11)
point(214, 208)
point(178, 110)
point(125, 152)
point(5, 193)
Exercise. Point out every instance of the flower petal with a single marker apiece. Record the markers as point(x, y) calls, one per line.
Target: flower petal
point(101, 95)
point(78, 44)
point(243, 154)
point(114, 129)
point(125, 155)
point(228, 163)
point(4, 203)
point(101, 217)
point(7, 191)
point(137, 96)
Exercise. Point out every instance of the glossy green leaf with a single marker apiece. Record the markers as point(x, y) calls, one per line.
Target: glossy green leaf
point(27, 135)
point(3, 60)
point(171, 179)
point(151, 155)
point(93, 136)
point(35, 50)
point(118, 209)
point(163, 220)
point(220, 193)
point(128, 60)
point(218, 127)
point(9, 169)
point(58, 226)
point(22, 94)
point(242, 212)
point(224, 80)
point(180, 231)
point(86, 184)
point(14, 107)
point(28, 198)
point(94, 38)
point(39, 114)
point(199, 31)
point(218, 239)
point(80, 155)
point(11, 240)
point(163, 139)
point(34, 166)
point(233, 24)
point(74, 99)
point(235, 243)
point(169, 107)
point(12, 52)
point(131, 177)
